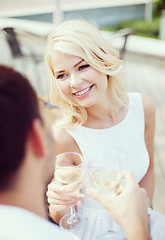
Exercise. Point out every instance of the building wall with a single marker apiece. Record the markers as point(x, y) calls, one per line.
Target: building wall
point(98, 16)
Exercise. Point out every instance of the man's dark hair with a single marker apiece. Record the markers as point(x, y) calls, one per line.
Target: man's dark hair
point(18, 108)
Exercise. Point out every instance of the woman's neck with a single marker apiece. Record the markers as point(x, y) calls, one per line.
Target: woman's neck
point(99, 116)
point(103, 116)
point(101, 108)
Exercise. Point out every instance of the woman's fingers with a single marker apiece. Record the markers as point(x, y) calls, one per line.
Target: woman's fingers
point(60, 207)
point(62, 202)
point(72, 187)
point(61, 189)
point(64, 197)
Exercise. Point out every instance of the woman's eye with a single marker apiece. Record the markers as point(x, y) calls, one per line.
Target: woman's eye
point(84, 66)
point(61, 76)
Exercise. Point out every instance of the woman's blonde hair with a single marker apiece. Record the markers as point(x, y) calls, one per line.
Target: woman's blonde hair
point(80, 38)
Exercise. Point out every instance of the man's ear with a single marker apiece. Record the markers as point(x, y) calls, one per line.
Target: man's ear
point(37, 138)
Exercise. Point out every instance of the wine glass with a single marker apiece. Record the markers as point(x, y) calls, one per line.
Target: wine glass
point(107, 179)
point(69, 170)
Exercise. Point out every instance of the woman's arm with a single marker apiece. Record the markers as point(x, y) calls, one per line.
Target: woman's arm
point(148, 181)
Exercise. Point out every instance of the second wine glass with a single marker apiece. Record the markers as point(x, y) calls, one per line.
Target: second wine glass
point(69, 170)
point(108, 180)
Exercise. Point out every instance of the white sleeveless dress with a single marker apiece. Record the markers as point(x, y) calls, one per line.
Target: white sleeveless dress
point(125, 140)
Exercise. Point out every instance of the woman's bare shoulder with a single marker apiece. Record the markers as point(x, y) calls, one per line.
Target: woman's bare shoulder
point(64, 141)
point(149, 105)
point(149, 109)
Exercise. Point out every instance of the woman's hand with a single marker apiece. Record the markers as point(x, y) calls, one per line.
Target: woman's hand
point(63, 197)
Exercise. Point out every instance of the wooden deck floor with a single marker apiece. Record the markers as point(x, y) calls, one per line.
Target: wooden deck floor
point(147, 75)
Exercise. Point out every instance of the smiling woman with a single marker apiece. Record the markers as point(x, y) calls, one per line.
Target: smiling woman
point(100, 119)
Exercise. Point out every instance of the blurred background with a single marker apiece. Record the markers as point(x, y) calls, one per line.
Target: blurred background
point(135, 27)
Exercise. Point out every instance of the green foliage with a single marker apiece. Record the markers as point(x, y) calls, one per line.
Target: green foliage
point(158, 6)
point(141, 27)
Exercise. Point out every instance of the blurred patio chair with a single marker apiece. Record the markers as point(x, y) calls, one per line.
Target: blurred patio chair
point(22, 48)
point(123, 35)
point(16, 46)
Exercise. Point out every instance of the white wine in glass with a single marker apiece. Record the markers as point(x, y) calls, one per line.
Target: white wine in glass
point(69, 170)
point(68, 175)
point(106, 180)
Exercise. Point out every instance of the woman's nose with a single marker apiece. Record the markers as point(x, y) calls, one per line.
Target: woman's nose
point(74, 80)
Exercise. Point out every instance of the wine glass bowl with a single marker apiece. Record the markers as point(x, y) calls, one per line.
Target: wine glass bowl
point(106, 180)
point(68, 174)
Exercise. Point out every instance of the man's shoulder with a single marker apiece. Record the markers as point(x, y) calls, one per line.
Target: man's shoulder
point(17, 224)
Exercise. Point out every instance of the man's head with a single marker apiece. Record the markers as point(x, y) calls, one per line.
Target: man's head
point(23, 131)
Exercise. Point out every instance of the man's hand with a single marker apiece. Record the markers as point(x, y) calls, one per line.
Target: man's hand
point(129, 208)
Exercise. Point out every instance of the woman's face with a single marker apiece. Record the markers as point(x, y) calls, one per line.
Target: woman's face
point(77, 80)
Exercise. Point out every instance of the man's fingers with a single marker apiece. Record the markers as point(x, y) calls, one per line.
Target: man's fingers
point(95, 194)
point(128, 176)
point(120, 189)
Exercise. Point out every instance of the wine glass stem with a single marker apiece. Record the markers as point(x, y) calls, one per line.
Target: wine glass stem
point(73, 211)
point(73, 217)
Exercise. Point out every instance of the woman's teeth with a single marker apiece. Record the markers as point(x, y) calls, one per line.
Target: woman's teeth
point(83, 91)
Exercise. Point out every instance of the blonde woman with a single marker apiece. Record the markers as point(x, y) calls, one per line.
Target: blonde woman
point(100, 119)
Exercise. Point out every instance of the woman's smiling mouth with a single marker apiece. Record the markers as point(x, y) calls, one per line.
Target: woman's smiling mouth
point(83, 92)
